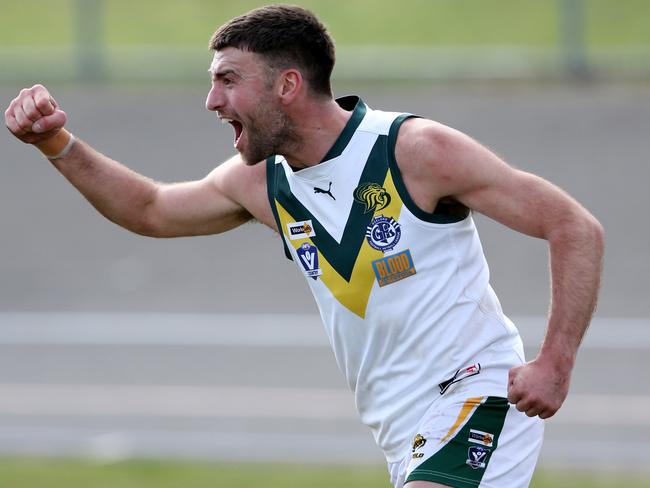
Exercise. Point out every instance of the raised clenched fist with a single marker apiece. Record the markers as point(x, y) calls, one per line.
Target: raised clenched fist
point(34, 116)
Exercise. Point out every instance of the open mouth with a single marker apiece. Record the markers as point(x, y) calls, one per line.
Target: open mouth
point(239, 129)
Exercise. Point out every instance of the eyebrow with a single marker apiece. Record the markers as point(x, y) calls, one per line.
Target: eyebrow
point(222, 74)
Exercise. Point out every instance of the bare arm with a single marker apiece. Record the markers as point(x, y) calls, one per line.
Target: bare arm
point(150, 208)
point(125, 197)
point(450, 164)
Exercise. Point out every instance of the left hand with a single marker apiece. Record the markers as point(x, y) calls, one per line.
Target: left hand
point(538, 387)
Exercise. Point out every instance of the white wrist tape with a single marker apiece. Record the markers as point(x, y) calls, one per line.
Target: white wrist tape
point(65, 150)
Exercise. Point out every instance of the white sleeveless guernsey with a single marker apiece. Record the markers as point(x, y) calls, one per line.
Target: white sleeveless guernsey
point(403, 294)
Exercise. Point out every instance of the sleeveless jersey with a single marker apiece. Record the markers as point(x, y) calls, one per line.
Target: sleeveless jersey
point(403, 294)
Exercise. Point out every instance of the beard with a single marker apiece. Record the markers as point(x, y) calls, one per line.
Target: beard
point(269, 131)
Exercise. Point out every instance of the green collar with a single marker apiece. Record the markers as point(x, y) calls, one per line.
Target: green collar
point(354, 103)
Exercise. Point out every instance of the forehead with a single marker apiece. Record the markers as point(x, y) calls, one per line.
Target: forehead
point(233, 59)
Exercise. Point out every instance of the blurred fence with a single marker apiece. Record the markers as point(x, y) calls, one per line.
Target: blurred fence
point(89, 56)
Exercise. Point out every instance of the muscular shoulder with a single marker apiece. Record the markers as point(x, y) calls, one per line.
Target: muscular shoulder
point(234, 178)
point(430, 158)
point(244, 185)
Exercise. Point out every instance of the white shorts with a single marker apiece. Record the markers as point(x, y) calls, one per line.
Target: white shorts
point(472, 442)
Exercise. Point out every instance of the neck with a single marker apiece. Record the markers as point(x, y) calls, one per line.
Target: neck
point(318, 124)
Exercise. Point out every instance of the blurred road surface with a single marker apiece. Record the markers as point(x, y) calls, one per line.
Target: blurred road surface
point(260, 387)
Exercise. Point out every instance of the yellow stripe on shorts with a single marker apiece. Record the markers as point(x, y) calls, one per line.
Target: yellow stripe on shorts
point(469, 405)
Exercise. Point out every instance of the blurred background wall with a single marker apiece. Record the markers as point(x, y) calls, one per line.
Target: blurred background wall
point(114, 345)
point(460, 39)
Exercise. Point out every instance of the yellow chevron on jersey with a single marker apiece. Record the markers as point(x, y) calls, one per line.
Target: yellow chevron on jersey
point(353, 293)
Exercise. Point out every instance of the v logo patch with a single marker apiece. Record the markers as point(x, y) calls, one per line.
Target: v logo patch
point(346, 267)
point(343, 255)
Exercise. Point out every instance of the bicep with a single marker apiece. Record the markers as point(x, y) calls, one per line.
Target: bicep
point(197, 207)
point(482, 181)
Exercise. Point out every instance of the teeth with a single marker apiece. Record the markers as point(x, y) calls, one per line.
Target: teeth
point(225, 120)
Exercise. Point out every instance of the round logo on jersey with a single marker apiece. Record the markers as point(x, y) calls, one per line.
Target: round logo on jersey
point(383, 233)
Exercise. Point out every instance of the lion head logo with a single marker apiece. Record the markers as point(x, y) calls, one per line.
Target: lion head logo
point(418, 442)
point(373, 196)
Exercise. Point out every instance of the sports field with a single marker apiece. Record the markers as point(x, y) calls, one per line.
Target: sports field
point(74, 474)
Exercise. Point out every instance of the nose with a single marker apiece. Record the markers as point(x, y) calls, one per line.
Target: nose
point(214, 101)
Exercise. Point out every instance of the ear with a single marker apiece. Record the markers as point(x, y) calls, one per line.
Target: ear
point(290, 83)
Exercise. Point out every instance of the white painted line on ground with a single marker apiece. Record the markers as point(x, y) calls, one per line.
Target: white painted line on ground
point(250, 330)
point(175, 401)
point(272, 403)
point(111, 445)
point(604, 410)
point(590, 455)
point(265, 330)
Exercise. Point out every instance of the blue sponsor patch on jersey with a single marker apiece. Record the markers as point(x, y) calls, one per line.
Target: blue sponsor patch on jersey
point(383, 233)
point(308, 257)
point(393, 268)
point(476, 457)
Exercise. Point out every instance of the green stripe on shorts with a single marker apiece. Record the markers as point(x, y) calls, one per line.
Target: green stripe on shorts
point(461, 463)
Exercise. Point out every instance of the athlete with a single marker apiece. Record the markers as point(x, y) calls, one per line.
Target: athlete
point(375, 209)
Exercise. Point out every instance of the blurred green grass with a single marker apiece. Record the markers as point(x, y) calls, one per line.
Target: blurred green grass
point(534, 23)
point(38, 473)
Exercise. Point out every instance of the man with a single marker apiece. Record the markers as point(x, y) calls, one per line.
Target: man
point(374, 208)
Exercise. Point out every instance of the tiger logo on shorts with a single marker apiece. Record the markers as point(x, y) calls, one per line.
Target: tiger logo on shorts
point(373, 196)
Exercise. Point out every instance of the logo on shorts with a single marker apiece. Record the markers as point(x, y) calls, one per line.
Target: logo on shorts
point(476, 456)
point(393, 268)
point(308, 257)
point(480, 437)
point(383, 233)
point(460, 374)
point(373, 196)
point(418, 442)
point(300, 230)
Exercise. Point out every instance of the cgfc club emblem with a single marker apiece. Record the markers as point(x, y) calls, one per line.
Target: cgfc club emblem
point(383, 233)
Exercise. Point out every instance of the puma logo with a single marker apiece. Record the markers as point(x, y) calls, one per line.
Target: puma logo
point(327, 192)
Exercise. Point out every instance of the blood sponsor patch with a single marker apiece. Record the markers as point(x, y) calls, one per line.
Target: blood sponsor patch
point(393, 268)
